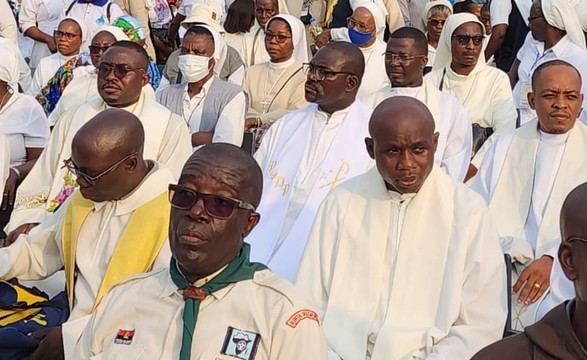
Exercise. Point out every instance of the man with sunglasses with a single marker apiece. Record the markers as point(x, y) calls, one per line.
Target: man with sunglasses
point(405, 59)
point(562, 333)
point(211, 296)
point(114, 226)
point(308, 152)
point(123, 84)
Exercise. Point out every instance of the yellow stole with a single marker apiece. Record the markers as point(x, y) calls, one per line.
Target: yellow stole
point(148, 227)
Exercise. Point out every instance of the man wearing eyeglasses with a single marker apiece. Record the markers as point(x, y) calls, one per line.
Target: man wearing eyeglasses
point(123, 84)
point(114, 226)
point(561, 334)
point(212, 302)
point(308, 152)
point(405, 59)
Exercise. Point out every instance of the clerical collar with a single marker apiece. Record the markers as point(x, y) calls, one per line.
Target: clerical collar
point(405, 91)
point(340, 114)
point(282, 65)
point(553, 139)
point(395, 196)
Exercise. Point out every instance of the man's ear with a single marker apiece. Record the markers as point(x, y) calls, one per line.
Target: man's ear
point(145, 79)
point(532, 100)
point(567, 262)
point(352, 83)
point(369, 146)
point(252, 221)
point(435, 140)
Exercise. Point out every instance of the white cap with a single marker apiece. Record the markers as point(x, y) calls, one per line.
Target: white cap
point(205, 14)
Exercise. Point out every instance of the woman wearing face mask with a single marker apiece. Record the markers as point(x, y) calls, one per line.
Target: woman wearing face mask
point(277, 87)
point(435, 14)
point(70, 38)
point(213, 109)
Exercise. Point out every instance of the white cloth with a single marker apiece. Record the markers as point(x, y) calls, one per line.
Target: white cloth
point(40, 254)
point(94, 16)
point(253, 48)
point(431, 55)
point(303, 155)
point(452, 122)
point(298, 37)
point(43, 14)
point(358, 232)
point(8, 28)
point(500, 10)
point(4, 160)
point(166, 140)
point(531, 55)
point(561, 289)
point(82, 87)
point(46, 69)
point(265, 308)
point(561, 14)
point(24, 77)
point(581, 11)
point(9, 66)
point(25, 125)
point(220, 50)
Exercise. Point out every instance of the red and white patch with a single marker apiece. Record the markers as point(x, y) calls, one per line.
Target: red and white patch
point(304, 314)
point(124, 337)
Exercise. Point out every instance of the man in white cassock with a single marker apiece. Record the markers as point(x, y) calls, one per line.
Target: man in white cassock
point(308, 152)
point(404, 262)
point(405, 59)
point(253, 48)
point(526, 177)
point(122, 83)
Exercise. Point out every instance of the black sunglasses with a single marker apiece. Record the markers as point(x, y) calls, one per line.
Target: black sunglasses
point(220, 207)
point(465, 39)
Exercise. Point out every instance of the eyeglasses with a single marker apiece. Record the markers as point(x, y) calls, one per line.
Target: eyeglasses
point(65, 35)
point(358, 25)
point(573, 238)
point(97, 49)
point(436, 22)
point(120, 70)
point(278, 37)
point(321, 73)
point(72, 167)
point(465, 39)
point(401, 58)
point(219, 207)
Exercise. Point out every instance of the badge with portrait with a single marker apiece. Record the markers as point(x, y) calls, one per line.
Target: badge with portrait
point(241, 344)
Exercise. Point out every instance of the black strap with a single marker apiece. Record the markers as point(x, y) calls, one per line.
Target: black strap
point(282, 86)
point(441, 85)
point(70, 7)
point(108, 12)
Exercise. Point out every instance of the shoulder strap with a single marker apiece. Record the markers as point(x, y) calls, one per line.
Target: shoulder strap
point(282, 86)
point(441, 85)
point(108, 12)
point(70, 7)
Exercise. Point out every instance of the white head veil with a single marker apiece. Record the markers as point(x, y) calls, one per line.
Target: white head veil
point(9, 67)
point(444, 50)
point(115, 31)
point(433, 3)
point(561, 15)
point(581, 11)
point(298, 34)
point(84, 30)
point(219, 48)
point(378, 12)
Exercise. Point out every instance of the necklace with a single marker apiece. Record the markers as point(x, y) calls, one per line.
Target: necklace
point(265, 103)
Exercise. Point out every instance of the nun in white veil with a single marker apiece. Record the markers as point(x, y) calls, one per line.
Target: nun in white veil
point(484, 91)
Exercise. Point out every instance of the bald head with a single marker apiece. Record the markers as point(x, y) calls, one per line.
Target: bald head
point(398, 110)
point(573, 216)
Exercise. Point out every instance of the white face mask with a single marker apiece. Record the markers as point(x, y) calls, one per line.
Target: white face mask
point(194, 67)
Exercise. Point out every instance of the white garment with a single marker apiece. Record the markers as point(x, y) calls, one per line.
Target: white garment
point(94, 16)
point(368, 257)
point(24, 76)
point(431, 55)
point(561, 14)
point(231, 122)
point(531, 55)
point(83, 87)
point(4, 160)
point(561, 289)
point(46, 69)
point(25, 125)
point(253, 47)
point(236, 42)
point(500, 11)
point(266, 308)
point(303, 155)
point(8, 28)
point(452, 122)
point(45, 15)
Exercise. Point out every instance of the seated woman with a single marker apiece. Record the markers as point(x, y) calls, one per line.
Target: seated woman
point(70, 38)
point(484, 91)
point(435, 14)
point(24, 123)
point(277, 87)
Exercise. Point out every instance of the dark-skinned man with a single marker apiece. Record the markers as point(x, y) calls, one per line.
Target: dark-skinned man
point(405, 59)
point(562, 333)
point(213, 109)
point(527, 175)
point(120, 206)
point(122, 76)
point(253, 50)
point(212, 302)
point(308, 152)
point(403, 262)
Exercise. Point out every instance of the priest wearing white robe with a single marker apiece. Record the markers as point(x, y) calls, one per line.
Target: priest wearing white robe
point(308, 152)
point(120, 208)
point(405, 59)
point(122, 83)
point(404, 262)
point(527, 175)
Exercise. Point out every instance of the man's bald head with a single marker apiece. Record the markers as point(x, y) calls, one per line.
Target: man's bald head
point(573, 215)
point(402, 142)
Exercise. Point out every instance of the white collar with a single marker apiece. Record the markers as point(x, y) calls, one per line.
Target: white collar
point(282, 65)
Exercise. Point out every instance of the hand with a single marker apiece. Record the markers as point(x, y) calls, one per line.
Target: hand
point(323, 38)
point(14, 234)
point(250, 123)
point(51, 346)
point(9, 190)
point(534, 280)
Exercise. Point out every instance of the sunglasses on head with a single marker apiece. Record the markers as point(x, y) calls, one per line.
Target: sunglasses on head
point(465, 39)
point(219, 207)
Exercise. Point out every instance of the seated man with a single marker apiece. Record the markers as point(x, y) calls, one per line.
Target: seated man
point(212, 302)
point(120, 207)
point(526, 176)
point(403, 262)
point(123, 84)
point(562, 333)
point(213, 109)
point(405, 59)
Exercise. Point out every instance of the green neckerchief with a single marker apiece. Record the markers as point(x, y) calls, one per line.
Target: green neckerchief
point(239, 269)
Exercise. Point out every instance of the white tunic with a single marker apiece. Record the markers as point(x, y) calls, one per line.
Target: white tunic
point(46, 69)
point(94, 16)
point(8, 29)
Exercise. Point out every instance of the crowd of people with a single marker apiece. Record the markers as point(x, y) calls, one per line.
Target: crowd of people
point(293, 179)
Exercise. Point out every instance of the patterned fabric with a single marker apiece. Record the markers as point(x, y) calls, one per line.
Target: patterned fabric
point(131, 27)
point(51, 93)
point(154, 75)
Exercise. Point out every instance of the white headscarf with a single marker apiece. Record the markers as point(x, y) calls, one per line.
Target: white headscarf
point(581, 11)
point(9, 67)
point(378, 12)
point(561, 15)
point(444, 51)
point(298, 35)
point(433, 3)
point(220, 48)
point(114, 31)
point(84, 30)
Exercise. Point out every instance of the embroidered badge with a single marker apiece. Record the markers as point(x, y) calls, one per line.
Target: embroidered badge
point(124, 337)
point(295, 319)
point(240, 343)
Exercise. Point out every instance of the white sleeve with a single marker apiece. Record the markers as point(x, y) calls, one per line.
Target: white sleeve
point(8, 28)
point(237, 77)
point(231, 123)
point(457, 153)
point(36, 128)
point(499, 12)
point(27, 17)
point(482, 181)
